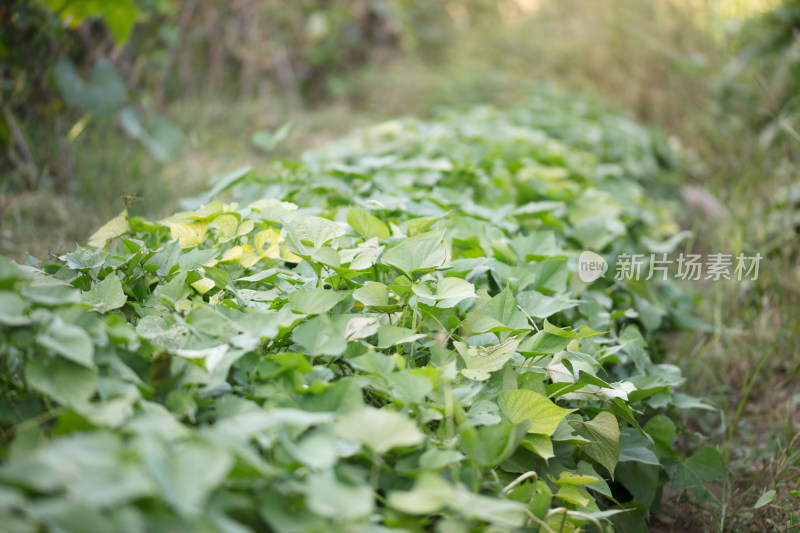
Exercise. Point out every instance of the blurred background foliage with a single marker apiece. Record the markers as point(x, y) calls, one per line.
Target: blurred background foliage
point(117, 66)
point(145, 99)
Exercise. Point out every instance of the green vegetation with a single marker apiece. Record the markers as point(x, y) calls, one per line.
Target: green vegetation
point(421, 349)
point(101, 114)
point(410, 348)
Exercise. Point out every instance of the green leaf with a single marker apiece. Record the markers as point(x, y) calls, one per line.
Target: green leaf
point(536, 246)
point(501, 512)
point(640, 479)
point(538, 305)
point(106, 295)
point(634, 447)
point(312, 230)
point(435, 459)
point(372, 294)
point(367, 225)
point(193, 259)
point(100, 95)
point(320, 336)
point(361, 327)
point(329, 497)
point(187, 474)
point(527, 406)
point(85, 258)
point(704, 465)
point(12, 309)
point(430, 494)
point(313, 301)
point(378, 429)
point(156, 329)
point(210, 357)
point(420, 253)
point(449, 292)
point(410, 388)
point(173, 291)
point(69, 341)
point(392, 335)
point(501, 314)
point(577, 496)
point(662, 430)
point(586, 469)
point(481, 361)
point(66, 382)
point(603, 435)
point(765, 499)
point(539, 444)
point(267, 140)
point(581, 332)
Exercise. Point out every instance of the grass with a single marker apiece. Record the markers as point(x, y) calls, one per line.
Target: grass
point(101, 167)
point(658, 61)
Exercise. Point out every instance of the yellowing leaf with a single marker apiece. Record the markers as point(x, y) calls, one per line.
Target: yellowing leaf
point(541, 445)
point(525, 405)
point(271, 203)
point(574, 495)
point(233, 255)
point(207, 212)
point(267, 243)
point(188, 234)
point(288, 256)
point(245, 228)
point(249, 256)
point(119, 225)
point(226, 226)
point(568, 478)
point(203, 285)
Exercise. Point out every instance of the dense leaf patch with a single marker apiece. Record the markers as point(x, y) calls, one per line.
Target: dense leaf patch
point(388, 335)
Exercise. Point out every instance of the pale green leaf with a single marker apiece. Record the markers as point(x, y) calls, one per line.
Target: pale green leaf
point(117, 226)
point(393, 335)
point(379, 429)
point(765, 499)
point(372, 294)
point(527, 406)
point(312, 230)
point(367, 225)
point(320, 336)
point(430, 494)
point(420, 253)
point(313, 301)
point(69, 341)
point(106, 295)
point(482, 360)
point(329, 497)
point(538, 305)
point(62, 380)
